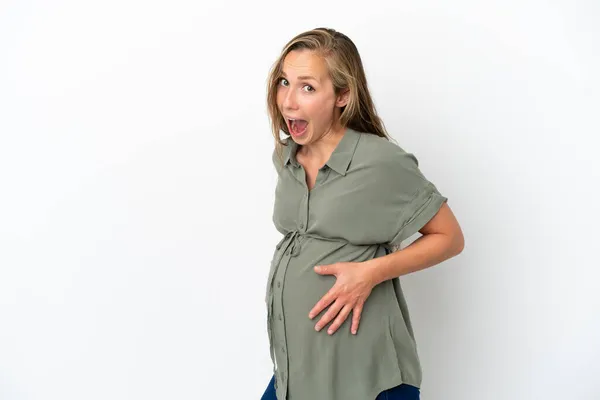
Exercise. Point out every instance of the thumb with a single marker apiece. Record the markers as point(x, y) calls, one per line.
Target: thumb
point(324, 269)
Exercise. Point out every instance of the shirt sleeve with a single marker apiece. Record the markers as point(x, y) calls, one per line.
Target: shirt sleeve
point(414, 199)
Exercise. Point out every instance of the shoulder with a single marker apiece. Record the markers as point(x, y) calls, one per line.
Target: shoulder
point(277, 161)
point(390, 167)
point(383, 155)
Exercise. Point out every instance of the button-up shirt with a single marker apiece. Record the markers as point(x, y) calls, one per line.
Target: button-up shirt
point(368, 197)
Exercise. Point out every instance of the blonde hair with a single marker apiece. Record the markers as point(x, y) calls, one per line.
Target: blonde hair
point(346, 72)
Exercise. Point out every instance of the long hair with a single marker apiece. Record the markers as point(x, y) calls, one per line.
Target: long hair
point(346, 72)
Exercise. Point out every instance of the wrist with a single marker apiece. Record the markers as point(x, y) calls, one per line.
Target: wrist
point(374, 271)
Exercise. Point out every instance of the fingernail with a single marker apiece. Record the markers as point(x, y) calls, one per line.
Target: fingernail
point(317, 328)
point(330, 331)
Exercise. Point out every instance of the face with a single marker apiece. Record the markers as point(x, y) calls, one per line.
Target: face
point(305, 93)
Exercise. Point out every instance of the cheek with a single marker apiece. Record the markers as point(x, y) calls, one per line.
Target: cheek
point(317, 108)
point(279, 98)
point(321, 111)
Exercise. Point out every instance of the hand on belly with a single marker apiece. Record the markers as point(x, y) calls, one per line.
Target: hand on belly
point(339, 290)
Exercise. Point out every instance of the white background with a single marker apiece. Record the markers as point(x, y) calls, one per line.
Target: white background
point(136, 191)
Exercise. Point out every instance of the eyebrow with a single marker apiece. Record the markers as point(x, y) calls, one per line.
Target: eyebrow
point(303, 77)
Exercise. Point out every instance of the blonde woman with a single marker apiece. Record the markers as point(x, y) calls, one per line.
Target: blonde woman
point(346, 197)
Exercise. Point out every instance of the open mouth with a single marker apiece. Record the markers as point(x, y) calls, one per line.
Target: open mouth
point(297, 127)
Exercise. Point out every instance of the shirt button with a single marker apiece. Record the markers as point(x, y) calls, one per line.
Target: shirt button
point(301, 226)
point(287, 252)
point(280, 317)
point(283, 349)
point(279, 284)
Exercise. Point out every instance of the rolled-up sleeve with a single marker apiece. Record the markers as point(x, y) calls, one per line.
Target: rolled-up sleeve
point(414, 199)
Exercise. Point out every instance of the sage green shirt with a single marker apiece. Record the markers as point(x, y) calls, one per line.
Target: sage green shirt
point(368, 197)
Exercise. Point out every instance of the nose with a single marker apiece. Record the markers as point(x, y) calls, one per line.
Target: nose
point(289, 100)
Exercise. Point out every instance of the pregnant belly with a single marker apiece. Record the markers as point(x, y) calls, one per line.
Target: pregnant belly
point(303, 288)
point(315, 353)
point(312, 357)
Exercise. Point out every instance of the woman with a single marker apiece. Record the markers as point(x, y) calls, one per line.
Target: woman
point(346, 197)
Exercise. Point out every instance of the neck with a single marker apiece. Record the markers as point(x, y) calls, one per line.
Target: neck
point(320, 150)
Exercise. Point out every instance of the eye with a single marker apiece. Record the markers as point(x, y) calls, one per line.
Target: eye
point(281, 80)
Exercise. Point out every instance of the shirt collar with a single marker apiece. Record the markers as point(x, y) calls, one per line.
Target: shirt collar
point(339, 159)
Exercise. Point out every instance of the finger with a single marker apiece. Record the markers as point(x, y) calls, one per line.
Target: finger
point(340, 319)
point(325, 301)
point(329, 315)
point(325, 269)
point(356, 317)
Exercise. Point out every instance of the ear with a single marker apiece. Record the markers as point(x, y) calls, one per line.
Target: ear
point(343, 98)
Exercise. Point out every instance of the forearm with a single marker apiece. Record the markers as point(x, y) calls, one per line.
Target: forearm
point(426, 251)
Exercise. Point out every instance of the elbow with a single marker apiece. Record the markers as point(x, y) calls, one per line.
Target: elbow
point(458, 243)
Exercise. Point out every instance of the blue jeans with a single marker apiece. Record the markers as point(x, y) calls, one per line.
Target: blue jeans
point(401, 392)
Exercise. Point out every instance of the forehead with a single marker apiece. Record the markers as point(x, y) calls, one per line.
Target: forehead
point(305, 62)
